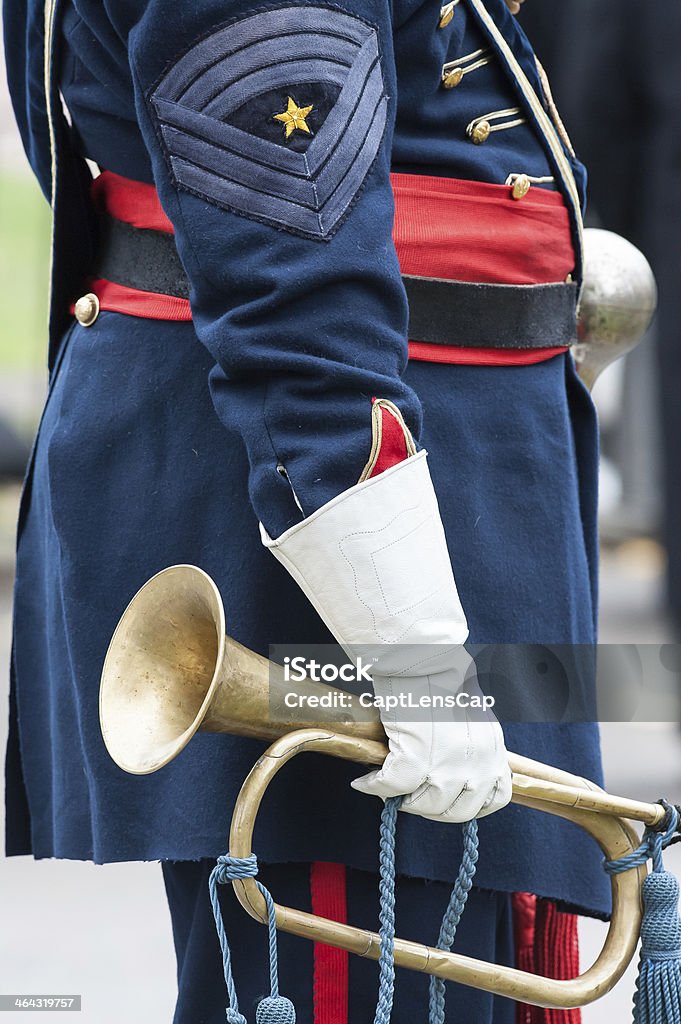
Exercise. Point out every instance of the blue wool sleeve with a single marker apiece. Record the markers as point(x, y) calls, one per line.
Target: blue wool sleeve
point(269, 130)
point(24, 49)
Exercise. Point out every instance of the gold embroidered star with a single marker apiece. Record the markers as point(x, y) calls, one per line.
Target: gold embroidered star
point(294, 117)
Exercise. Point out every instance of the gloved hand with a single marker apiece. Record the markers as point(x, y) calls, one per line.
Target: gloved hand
point(374, 563)
point(451, 762)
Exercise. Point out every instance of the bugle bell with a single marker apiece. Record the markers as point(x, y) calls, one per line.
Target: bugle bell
point(171, 670)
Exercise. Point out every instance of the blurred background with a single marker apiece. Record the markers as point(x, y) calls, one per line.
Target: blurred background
point(104, 931)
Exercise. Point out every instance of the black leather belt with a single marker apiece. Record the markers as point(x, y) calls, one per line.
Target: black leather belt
point(441, 312)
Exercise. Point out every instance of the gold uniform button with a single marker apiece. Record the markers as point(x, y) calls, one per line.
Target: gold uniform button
point(480, 132)
point(450, 79)
point(447, 13)
point(521, 186)
point(87, 309)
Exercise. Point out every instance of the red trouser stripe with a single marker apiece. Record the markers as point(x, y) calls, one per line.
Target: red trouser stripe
point(328, 892)
point(444, 228)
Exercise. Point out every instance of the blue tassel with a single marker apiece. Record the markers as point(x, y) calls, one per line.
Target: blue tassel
point(658, 989)
point(275, 1010)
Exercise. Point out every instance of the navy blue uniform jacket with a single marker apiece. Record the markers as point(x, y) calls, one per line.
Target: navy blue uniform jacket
point(166, 442)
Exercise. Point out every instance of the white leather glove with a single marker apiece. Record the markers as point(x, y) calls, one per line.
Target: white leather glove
point(374, 563)
point(453, 764)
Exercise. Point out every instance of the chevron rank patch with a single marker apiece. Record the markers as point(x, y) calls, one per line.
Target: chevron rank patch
point(278, 116)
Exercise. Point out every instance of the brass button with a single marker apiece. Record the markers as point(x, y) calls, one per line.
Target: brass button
point(521, 186)
point(450, 79)
point(447, 13)
point(480, 132)
point(87, 309)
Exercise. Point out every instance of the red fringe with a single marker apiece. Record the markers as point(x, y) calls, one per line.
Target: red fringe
point(547, 943)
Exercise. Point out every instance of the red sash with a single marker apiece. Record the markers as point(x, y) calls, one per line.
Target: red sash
point(444, 228)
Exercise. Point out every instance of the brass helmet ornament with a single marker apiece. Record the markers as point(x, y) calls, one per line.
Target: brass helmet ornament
point(619, 298)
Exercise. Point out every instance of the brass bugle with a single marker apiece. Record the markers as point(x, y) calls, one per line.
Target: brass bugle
point(172, 670)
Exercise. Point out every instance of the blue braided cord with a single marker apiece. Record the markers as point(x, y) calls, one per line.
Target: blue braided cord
point(386, 961)
point(226, 870)
point(273, 1009)
point(652, 845)
point(272, 930)
point(450, 921)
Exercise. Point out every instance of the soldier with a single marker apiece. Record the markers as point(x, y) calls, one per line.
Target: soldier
point(285, 193)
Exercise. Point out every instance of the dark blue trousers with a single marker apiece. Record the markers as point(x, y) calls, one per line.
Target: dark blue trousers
point(485, 932)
